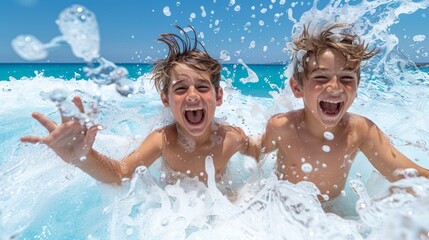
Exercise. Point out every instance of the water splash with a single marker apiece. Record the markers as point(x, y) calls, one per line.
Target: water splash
point(252, 76)
point(395, 214)
point(373, 28)
point(185, 210)
point(79, 29)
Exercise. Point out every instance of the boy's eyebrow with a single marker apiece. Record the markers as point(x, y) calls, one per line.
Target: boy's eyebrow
point(347, 68)
point(319, 69)
point(176, 81)
point(180, 80)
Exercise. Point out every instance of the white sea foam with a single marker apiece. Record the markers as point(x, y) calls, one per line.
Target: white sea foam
point(39, 193)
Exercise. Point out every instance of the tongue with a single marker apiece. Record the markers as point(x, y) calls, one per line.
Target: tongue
point(194, 116)
point(329, 108)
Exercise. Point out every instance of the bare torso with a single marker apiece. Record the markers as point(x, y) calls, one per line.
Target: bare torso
point(186, 157)
point(320, 159)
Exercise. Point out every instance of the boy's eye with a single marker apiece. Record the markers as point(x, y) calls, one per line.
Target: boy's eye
point(320, 78)
point(180, 90)
point(348, 79)
point(203, 88)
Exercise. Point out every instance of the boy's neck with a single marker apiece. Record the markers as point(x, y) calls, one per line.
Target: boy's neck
point(315, 128)
point(188, 140)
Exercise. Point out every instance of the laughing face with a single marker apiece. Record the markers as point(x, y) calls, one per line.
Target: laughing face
point(329, 88)
point(192, 100)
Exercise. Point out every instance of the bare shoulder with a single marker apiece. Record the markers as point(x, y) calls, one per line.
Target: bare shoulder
point(237, 140)
point(231, 131)
point(159, 136)
point(279, 121)
point(358, 122)
point(233, 136)
point(361, 126)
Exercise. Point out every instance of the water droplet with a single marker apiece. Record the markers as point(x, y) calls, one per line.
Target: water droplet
point(224, 56)
point(326, 148)
point(328, 135)
point(325, 197)
point(166, 11)
point(140, 170)
point(164, 222)
point(406, 173)
point(307, 168)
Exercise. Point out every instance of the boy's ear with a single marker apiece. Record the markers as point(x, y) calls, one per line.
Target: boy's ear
point(164, 99)
point(219, 97)
point(296, 88)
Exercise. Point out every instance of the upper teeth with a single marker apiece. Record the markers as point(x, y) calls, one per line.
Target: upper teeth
point(331, 101)
point(194, 109)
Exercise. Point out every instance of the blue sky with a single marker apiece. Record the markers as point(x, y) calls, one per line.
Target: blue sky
point(247, 29)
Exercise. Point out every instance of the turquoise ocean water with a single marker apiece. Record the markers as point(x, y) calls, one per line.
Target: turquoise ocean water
point(269, 75)
point(43, 198)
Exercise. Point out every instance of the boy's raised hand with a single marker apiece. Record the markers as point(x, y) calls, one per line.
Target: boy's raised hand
point(70, 140)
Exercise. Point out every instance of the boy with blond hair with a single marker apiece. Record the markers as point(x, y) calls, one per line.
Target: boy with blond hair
point(319, 142)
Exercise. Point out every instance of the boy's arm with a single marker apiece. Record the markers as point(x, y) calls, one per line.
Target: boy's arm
point(107, 170)
point(269, 140)
point(382, 154)
point(252, 147)
point(73, 143)
point(237, 141)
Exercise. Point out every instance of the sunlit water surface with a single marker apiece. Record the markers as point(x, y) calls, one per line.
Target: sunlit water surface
point(43, 198)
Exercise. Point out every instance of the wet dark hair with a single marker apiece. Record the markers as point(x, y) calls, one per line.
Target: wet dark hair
point(184, 50)
point(337, 36)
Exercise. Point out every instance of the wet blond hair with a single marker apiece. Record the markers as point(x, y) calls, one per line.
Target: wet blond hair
point(184, 50)
point(337, 37)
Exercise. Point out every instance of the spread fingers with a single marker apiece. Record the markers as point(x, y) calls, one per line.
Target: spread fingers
point(32, 139)
point(45, 121)
point(78, 102)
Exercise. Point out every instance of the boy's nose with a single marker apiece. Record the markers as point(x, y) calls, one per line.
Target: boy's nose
point(335, 85)
point(192, 95)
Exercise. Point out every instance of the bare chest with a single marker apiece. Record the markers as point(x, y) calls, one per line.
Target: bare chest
point(324, 162)
point(192, 162)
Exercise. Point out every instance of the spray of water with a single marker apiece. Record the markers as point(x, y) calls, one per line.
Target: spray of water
point(264, 208)
point(79, 29)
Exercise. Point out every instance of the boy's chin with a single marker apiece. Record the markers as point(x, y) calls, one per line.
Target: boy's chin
point(329, 124)
point(194, 130)
point(330, 121)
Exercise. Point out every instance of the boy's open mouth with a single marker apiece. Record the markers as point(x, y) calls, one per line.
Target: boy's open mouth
point(331, 108)
point(195, 115)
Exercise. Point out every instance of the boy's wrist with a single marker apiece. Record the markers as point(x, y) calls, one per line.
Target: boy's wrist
point(80, 161)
